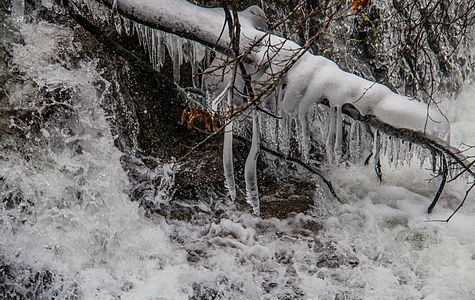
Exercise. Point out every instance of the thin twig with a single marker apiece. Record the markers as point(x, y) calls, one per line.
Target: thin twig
point(457, 209)
point(442, 171)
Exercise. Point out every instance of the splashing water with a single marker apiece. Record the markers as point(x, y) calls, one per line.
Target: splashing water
point(65, 206)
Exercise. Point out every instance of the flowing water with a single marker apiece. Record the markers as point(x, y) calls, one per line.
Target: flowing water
point(69, 230)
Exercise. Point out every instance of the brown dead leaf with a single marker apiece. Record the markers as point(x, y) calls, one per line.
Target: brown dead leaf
point(200, 115)
point(355, 4)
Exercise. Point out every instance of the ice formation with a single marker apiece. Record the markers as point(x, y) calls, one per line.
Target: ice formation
point(297, 97)
point(228, 165)
point(180, 50)
point(250, 169)
point(155, 42)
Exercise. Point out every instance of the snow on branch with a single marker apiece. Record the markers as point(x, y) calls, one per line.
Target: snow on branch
point(187, 20)
point(311, 79)
point(290, 82)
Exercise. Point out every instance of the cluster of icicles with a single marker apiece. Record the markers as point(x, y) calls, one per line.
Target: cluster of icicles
point(155, 42)
point(355, 144)
point(358, 144)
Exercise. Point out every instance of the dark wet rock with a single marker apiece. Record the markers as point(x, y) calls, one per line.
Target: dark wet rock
point(219, 288)
point(269, 286)
point(330, 257)
point(283, 257)
point(329, 261)
point(353, 261)
point(294, 294)
point(24, 283)
point(144, 111)
point(127, 286)
point(203, 292)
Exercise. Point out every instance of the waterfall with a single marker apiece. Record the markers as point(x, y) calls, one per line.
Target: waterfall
point(70, 230)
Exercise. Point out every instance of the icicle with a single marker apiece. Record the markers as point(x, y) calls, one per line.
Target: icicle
point(175, 50)
point(283, 125)
point(250, 172)
point(396, 152)
point(117, 23)
point(156, 42)
point(323, 117)
point(331, 134)
point(140, 30)
point(98, 11)
point(304, 140)
point(153, 55)
point(187, 52)
point(433, 161)
point(161, 36)
point(198, 54)
point(338, 134)
point(228, 160)
point(421, 156)
point(179, 58)
point(157, 57)
point(116, 17)
point(376, 154)
point(409, 153)
point(127, 25)
point(152, 41)
point(389, 149)
point(270, 125)
point(285, 128)
point(149, 34)
point(215, 103)
point(403, 153)
point(335, 134)
point(268, 130)
point(228, 140)
point(384, 143)
point(359, 140)
point(355, 140)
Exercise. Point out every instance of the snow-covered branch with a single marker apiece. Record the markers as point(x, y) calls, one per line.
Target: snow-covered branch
point(298, 79)
point(311, 79)
point(187, 20)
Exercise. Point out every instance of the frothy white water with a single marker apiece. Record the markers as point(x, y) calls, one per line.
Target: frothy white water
point(74, 216)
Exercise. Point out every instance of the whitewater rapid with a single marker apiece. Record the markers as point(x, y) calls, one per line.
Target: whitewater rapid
point(73, 217)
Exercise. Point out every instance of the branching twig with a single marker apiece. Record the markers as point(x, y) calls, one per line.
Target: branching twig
point(457, 209)
point(443, 171)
